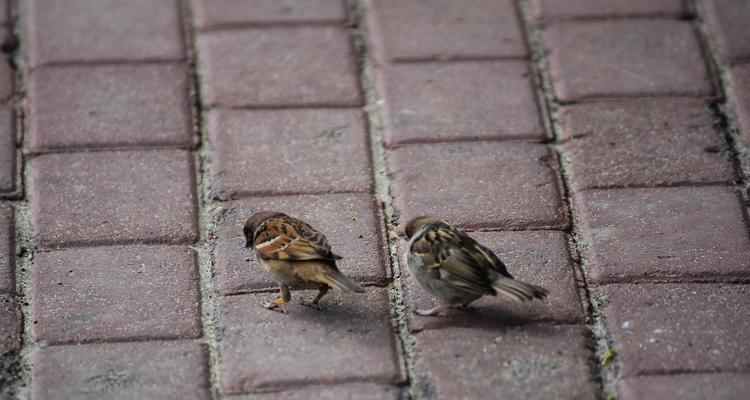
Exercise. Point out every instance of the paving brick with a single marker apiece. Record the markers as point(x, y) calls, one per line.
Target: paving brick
point(8, 153)
point(511, 185)
point(10, 325)
point(350, 222)
point(541, 258)
point(461, 100)
point(221, 13)
point(363, 391)
point(350, 339)
point(664, 234)
point(104, 30)
point(4, 11)
point(324, 150)
point(109, 105)
point(113, 197)
point(445, 29)
point(116, 293)
point(727, 22)
point(728, 386)
point(7, 250)
point(533, 362)
point(660, 328)
point(616, 58)
point(570, 9)
point(644, 142)
point(740, 81)
point(119, 371)
point(279, 67)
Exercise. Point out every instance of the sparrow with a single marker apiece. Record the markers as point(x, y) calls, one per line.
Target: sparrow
point(297, 255)
point(456, 269)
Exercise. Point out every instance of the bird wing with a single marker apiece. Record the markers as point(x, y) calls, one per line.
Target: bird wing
point(285, 238)
point(451, 255)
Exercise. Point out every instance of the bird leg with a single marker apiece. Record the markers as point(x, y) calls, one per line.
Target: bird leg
point(432, 312)
point(314, 303)
point(284, 297)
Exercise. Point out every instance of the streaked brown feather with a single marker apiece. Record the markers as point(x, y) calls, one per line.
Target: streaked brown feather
point(282, 237)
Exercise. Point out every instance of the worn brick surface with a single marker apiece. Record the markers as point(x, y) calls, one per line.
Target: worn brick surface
point(478, 184)
point(108, 293)
point(679, 327)
point(540, 258)
point(644, 142)
point(363, 391)
point(350, 339)
point(6, 75)
point(7, 249)
point(727, 22)
point(323, 151)
point(113, 197)
point(10, 324)
point(567, 9)
point(217, 13)
point(350, 222)
point(727, 386)
point(110, 105)
point(445, 29)
point(534, 362)
point(4, 12)
point(463, 100)
point(740, 81)
point(8, 154)
point(675, 234)
point(279, 66)
point(120, 371)
point(626, 57)
point(104, 30)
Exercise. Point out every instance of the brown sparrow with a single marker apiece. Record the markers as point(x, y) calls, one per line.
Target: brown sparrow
point(456, 269)
point(297, 255)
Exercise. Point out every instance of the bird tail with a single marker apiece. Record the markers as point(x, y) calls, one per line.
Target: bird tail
point(339, 282)
point(518, 290)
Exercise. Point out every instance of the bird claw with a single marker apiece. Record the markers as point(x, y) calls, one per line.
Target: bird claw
point(311, 304)
point(274, 307)
point(432, 312)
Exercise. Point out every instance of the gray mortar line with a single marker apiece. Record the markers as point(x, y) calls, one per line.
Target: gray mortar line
point(726, 125)
point(419, 384)
point(601, 340)
point(208, 217)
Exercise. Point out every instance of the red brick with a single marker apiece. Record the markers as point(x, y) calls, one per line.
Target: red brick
point(569, 9)
point(279, 67)
point(740, 81)
point(323, 151)
point(725, 386)
point(111, 105)
point(116, 293)
point(532, 362)
point(540, 258)
point(644, 142)
point(616, 58)
point(8, 153)
point(460, 101)
point(350, 339)
point(350, 221)
point(664, 234)
point(5, 11)
point(104, 30)
point(727, 22)
point(147, 370)
point(360, 391)
point(113, 197)
point(478, 185)
point(220, 13)
point(445, 29)
point(7, 250)
point(659, 328)
point(10, 325)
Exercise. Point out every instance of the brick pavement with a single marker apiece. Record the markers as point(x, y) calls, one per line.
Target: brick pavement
point(602, 148)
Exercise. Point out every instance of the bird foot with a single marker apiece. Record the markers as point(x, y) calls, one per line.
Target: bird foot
point(275, 305)
point(432, 312)
point(312, 304)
